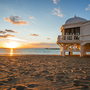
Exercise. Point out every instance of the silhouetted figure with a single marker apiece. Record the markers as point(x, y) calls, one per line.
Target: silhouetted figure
point(69, 53)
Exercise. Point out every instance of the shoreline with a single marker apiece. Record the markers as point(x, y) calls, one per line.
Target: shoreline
point(42, 55)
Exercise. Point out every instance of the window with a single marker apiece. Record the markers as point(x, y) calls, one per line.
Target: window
point(72, 31)
point(67, 32)
point(77, 31)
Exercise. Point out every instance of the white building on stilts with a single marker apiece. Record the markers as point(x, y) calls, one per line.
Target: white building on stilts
point(75, 36)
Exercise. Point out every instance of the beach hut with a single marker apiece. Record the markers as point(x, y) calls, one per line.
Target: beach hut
point(75, 36)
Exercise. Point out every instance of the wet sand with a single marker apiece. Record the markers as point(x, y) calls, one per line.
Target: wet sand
point(44, 72)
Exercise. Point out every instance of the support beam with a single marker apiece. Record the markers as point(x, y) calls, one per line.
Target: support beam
point(71, 53)
point(81, 51)
point(84, 53)
point(63, 50)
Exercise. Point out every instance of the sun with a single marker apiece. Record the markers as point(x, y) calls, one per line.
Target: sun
point(11, 44)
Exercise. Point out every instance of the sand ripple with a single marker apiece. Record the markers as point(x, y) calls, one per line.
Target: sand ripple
point(44, 72)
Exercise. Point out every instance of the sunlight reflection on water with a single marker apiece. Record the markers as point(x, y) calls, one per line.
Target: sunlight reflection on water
point(11, 51)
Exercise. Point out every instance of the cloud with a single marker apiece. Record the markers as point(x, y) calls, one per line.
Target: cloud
point(88, 8)
point(31, 17)
point(10, 35)
point(5, 36)
point(48, 38)
point(16, 39)
point(2, 36)
point(3, 32)
point(55, 1)
point(34, 35)
point(43, 45)
point(16, 20)
point(57, 12)
point(10, 31)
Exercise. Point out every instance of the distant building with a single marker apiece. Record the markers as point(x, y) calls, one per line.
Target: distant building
point(75, 36)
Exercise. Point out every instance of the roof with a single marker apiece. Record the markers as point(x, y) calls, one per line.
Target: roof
point(75, 20)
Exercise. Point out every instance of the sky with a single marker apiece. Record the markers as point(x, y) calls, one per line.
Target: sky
point(37, 23)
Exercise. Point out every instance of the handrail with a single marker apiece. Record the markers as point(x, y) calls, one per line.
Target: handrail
point(68, 37)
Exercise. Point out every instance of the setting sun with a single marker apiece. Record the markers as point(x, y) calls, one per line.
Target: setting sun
point(11, 44)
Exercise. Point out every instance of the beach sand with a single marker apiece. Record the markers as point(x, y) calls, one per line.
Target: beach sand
point(44, 72)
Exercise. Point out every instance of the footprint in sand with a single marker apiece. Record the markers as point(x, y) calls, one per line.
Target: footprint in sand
point(20, 88)
point(32, 85)
point(51, 78)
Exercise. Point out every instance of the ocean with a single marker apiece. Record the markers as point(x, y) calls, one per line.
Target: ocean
point(35, 51)
point(32, 51)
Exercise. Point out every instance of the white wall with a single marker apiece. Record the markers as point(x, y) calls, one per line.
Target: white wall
point(85, 31)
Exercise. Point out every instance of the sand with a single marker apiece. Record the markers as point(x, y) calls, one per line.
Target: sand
point(44, 72)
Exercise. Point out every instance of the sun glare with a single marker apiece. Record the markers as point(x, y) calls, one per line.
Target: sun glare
point(11, 44)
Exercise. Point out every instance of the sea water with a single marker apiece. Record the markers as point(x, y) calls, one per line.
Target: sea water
point(33, 51)
point(25, 51)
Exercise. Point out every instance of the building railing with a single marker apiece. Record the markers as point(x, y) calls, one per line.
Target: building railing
point(68, 37)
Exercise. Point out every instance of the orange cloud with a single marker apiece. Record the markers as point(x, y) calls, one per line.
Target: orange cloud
point(10, 31)
point(5, 36)
point(3, 32)
point(31, 17)
point(10, 35)
point(55, 1)
point(34, 35)
point(57, 12)
point(16, 20)
point(48, 38)
point(88, 8)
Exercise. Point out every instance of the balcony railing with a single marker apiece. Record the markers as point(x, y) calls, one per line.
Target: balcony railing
point(68, 37)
